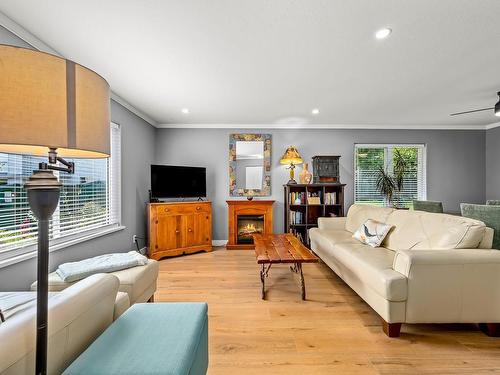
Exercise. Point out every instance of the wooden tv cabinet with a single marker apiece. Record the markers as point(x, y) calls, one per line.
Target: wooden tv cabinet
point(177, 228)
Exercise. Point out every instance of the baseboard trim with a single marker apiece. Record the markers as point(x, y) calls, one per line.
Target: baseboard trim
point(219, 242)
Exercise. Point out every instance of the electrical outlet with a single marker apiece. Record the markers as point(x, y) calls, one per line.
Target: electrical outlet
point(134, 238)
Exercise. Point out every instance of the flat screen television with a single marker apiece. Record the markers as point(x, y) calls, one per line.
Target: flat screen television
point(169, 181)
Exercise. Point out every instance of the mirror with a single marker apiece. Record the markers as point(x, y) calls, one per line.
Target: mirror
point(249, 165)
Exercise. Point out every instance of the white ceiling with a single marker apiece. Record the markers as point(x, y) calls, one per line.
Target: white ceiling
point(272, 61)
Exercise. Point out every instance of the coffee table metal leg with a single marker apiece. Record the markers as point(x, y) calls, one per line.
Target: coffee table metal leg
point(264, 272)
point(302, 282)
point(262, 278)
point(297, 268)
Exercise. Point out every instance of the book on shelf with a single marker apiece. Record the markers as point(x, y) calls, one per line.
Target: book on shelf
point(296, 197)
point(296, 217)
point(330, 198)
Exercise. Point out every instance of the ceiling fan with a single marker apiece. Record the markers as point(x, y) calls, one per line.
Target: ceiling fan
point(496, 108)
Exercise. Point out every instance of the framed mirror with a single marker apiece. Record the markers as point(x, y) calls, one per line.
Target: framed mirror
point(249, 165)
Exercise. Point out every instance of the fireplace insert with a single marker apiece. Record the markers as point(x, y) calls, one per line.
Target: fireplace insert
point(249, 225)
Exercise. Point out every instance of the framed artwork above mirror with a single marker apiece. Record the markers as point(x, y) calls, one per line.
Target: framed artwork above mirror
point(249, 165)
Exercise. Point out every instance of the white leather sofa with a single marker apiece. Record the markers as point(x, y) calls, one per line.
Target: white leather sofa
point(432, 268)
point(77, 316)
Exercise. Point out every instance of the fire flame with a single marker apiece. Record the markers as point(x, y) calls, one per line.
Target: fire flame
point(249, 228)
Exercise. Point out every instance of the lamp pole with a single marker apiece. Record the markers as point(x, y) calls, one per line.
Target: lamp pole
point(43, 196)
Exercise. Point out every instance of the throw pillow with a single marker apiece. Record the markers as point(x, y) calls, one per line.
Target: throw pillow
point(372, 232)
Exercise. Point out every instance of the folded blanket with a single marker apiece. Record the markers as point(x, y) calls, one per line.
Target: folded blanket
point(15, 302)
point(74, 271)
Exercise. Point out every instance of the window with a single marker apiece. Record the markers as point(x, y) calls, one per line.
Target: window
point(89, 201)
point(370, 159)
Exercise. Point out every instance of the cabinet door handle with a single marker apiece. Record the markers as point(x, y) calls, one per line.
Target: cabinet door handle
point(177, 231)
point(198, 208)
point(190, 230)
point(167, 209)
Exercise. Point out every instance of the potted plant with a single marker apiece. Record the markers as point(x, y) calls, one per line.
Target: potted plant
point(391, 185)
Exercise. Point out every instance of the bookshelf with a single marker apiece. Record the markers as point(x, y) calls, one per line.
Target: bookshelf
point(305, 203)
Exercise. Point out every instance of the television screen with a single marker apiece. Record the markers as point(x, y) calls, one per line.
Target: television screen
point(178, 182)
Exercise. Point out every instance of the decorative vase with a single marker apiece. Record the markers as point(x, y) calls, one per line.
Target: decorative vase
point(305, 176)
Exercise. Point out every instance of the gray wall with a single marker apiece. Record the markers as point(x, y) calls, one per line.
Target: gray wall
point(455, 161)
point(138, 143)
point(493, 163)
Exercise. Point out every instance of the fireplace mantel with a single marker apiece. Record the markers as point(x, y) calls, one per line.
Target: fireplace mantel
point(247, 208)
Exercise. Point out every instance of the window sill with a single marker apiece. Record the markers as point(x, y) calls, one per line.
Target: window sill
point(32, 252)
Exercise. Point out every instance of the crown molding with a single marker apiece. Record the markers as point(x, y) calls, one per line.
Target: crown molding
point(324, 126)
point(40, 45)
point(492, 126)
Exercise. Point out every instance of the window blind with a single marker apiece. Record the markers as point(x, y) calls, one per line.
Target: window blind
point(368, 161)
point(89, 200)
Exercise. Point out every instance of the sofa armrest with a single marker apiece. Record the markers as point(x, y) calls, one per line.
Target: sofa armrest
point(459, 285)
point(404, 260)
point(331, 223)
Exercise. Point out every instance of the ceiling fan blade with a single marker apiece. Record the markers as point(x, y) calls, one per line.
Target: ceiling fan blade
point(475, 110)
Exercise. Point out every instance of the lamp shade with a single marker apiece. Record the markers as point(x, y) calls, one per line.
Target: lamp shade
point(47, 101)
point(291, 156)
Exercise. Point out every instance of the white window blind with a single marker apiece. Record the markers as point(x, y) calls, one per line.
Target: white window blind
point(89, 201)
point(368, 161)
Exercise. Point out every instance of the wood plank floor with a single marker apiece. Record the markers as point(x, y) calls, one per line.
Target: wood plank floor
point(333, 332)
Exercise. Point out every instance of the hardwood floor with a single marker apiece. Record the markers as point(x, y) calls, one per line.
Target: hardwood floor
point(332, 332)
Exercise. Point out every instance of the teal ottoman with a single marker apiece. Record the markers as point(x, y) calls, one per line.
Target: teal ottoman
point(150, 338)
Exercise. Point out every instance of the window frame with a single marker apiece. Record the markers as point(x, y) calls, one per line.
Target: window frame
point(423, 146)
point(22, 253)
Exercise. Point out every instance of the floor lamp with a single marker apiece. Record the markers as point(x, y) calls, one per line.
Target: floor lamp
point(51, 107)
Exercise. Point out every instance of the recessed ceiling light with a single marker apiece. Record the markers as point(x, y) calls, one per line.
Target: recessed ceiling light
point(185, 111)
point(383, 33)
point(315, 111)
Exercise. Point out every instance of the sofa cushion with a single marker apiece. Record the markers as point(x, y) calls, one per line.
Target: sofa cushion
point(359, 213)
point(373, 266)
point(334, 236)
point(430, 231)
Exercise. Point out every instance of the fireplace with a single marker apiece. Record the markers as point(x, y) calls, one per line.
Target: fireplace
point(246, 218)
point(249, 225)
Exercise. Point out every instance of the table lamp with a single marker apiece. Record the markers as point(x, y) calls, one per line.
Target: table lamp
point(55, 107)
point(291, 157)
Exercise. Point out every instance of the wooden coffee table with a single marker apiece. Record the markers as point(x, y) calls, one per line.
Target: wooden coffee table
point(281, 248)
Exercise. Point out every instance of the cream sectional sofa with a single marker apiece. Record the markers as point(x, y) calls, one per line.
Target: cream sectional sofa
point(77, 316)
point(432, 268)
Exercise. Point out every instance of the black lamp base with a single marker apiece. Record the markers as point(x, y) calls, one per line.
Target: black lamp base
point(43, 195)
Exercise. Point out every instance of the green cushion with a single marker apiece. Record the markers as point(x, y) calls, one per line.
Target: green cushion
point(493, 202)
point(428, 206)
point(150, 338)
point(488, 214)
